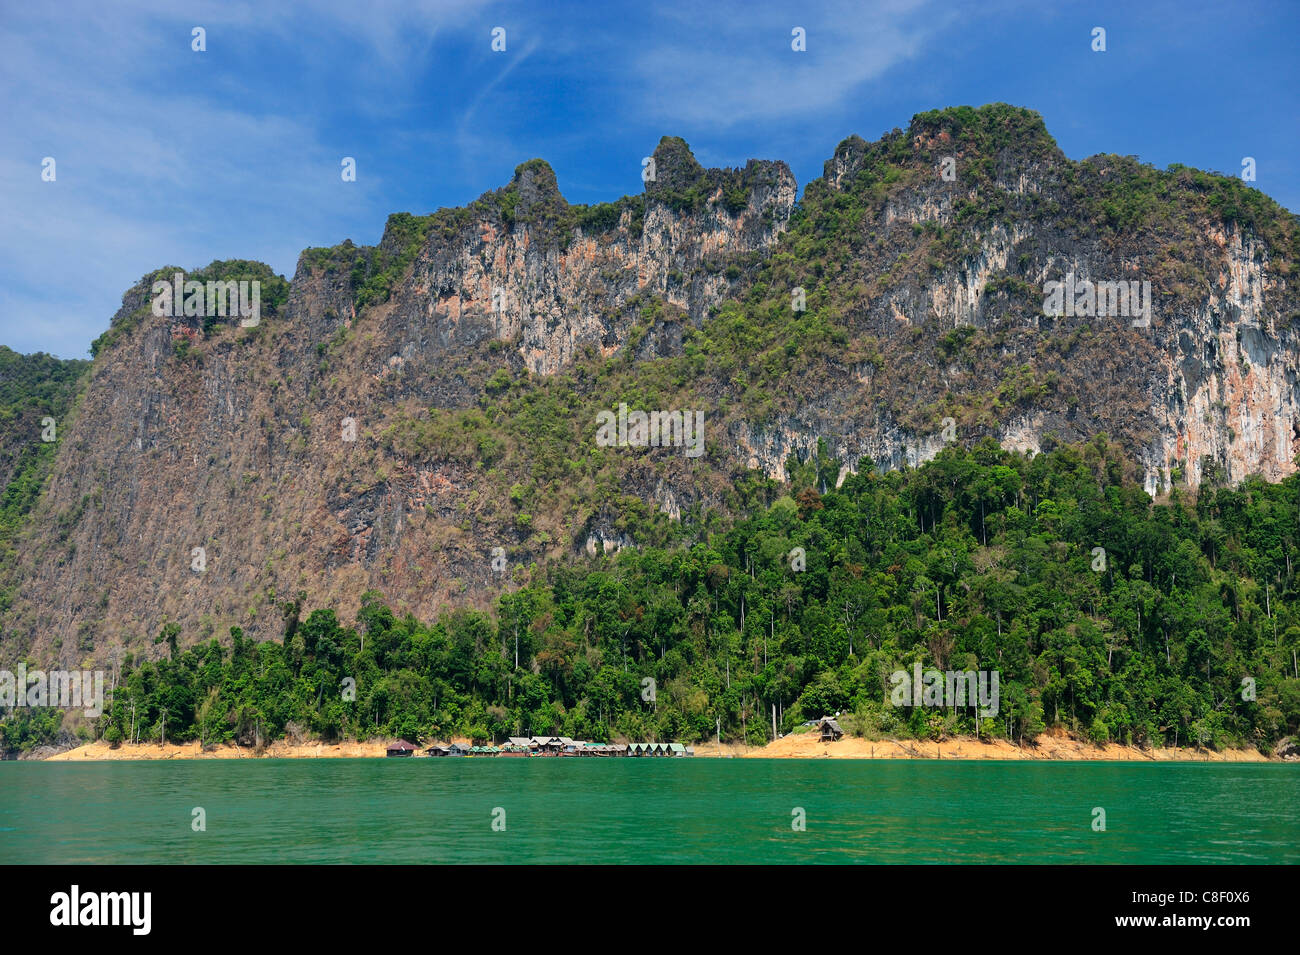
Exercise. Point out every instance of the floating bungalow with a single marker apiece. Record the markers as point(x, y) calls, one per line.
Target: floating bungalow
point(449, 749)
point(517, 746)
point(659, 749)
point(402, 748)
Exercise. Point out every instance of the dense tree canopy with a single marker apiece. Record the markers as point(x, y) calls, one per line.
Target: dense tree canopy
point(977, 560)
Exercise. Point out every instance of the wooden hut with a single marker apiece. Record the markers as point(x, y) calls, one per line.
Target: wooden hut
point(829, 729)
point(401, 748)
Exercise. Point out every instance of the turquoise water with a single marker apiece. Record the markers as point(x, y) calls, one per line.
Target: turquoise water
point(647, 811)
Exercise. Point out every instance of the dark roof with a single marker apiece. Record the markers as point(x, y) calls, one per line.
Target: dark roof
point(402, 745)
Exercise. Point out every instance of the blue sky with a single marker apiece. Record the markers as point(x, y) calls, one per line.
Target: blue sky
point(168, 156)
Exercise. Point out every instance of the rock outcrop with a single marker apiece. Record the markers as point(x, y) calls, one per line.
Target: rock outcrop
point(353, 439)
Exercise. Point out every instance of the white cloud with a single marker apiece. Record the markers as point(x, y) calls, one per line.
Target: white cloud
point(730, 63)
point(153, 171)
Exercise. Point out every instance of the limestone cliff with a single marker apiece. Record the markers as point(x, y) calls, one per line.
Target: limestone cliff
point(401, 411)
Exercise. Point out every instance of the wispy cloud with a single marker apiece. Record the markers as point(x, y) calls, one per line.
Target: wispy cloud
point(167, 156)
point(729, 63)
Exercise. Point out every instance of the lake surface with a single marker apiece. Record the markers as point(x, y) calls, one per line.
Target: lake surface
point(647, 811)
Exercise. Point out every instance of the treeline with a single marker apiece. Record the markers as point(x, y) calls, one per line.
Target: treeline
point(1105, 614)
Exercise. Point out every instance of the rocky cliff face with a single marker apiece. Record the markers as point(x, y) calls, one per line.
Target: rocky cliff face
point(1227, 395)
point(212, 474)
point(407, 409)
point(962, 340)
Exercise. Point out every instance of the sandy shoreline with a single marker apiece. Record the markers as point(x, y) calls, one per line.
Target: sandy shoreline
point(801, 746)
point(1046, 747)
point(281, 749)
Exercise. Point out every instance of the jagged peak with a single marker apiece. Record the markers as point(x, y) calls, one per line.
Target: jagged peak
point(534, 180)
point(676, 167)
point(216, 270)
point(684, 185)
point(846, 159)
point(850, 144)
point(976, 125)
point(533, 194)
point(274, 293)
point(965, 131)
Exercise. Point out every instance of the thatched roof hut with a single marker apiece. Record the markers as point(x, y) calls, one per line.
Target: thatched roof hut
point(829, 729)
